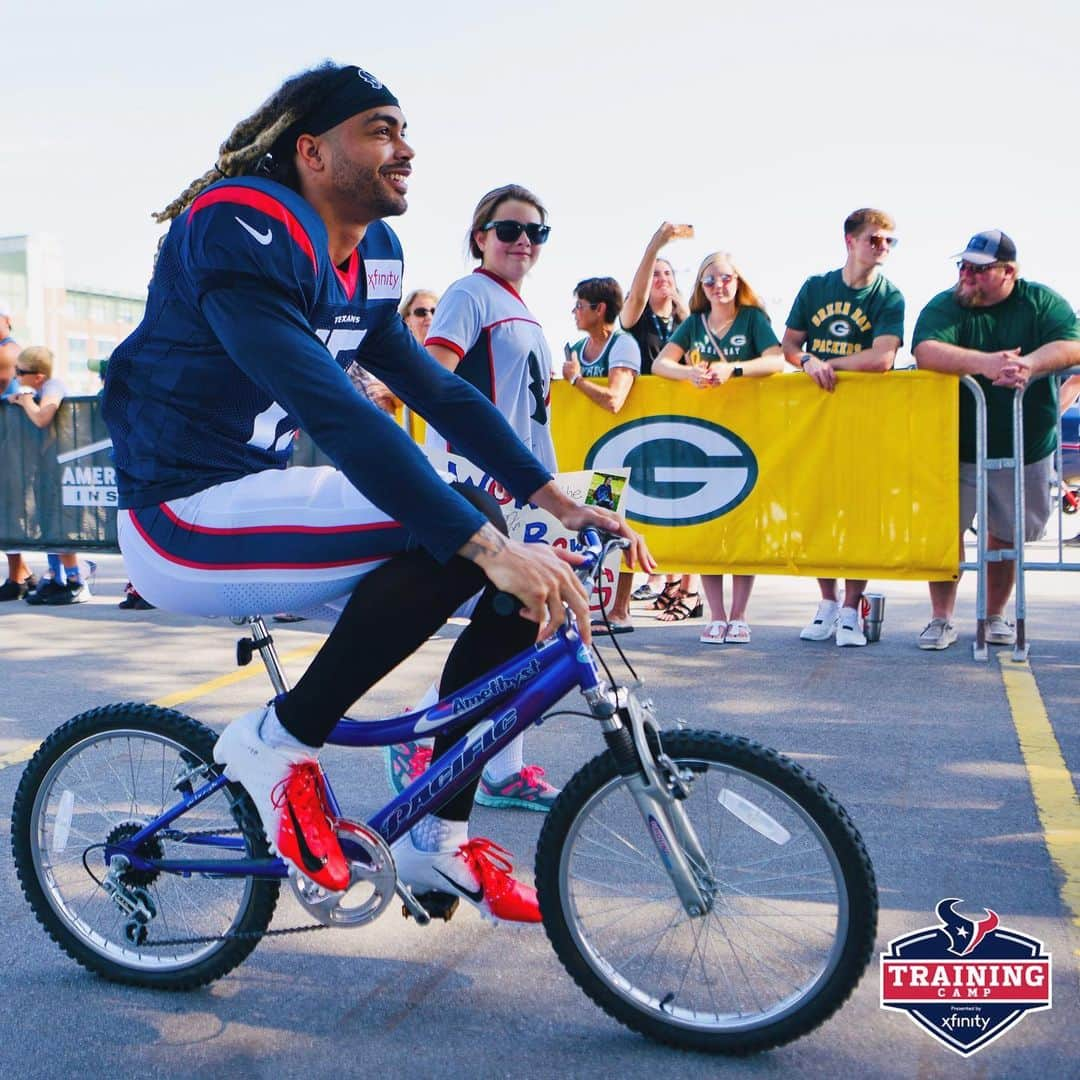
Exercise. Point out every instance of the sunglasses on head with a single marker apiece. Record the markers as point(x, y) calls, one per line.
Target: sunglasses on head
point(422, 312)
point(975, 268)
point(883, 241)
point(24, 371)
point(509, 231)
point(717, 279)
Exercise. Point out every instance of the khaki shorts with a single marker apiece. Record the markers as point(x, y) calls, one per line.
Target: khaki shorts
point(999, 499)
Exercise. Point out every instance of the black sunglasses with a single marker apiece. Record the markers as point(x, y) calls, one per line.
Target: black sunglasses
point(422, 312)
point(24, 371)
point(509, 231)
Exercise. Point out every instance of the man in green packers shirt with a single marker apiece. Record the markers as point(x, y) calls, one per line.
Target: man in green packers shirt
point(1005, 331)
point(851, 319)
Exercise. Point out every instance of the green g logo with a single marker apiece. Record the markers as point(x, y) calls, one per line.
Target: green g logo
point(683, 470)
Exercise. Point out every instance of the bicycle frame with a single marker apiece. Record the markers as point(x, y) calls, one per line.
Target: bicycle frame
point(498, 706)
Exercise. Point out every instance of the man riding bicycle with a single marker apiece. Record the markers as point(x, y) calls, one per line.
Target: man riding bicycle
point(277, 274)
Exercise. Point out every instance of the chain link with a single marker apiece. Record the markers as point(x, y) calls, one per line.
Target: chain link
point(239, 935)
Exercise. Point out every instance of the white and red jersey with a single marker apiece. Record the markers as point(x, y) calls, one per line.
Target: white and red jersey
point(503, 353)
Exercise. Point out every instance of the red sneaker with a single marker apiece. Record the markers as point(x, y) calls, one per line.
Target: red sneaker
point(504, 896)
point(478, 871)
point(306, 835)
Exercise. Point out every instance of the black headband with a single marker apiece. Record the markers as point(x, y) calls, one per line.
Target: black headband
point(353, 91)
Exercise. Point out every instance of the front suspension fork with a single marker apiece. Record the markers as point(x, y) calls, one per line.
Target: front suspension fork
point(659, 788)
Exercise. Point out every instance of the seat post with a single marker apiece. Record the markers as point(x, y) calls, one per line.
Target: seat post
point(264, 643)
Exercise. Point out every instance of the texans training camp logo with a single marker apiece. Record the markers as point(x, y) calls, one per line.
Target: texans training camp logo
point(683, 470)
point(966, 981)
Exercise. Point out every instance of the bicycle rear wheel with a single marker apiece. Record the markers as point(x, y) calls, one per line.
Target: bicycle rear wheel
point(794, 916)
point(99, 778)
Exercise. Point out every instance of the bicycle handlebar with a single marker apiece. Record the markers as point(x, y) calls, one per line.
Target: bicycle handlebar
point(594, 545)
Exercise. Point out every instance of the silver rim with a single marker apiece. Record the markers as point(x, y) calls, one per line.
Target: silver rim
point(124, 778)
point(775, 933)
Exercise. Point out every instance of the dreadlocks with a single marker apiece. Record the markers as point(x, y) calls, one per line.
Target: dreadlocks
point(246, 149)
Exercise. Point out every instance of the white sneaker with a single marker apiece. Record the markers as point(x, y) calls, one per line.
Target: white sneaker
point(999, 631)
point(259, 767)
point(848, 632)
point(824, 625)
point(937, 634)
point(478, 871)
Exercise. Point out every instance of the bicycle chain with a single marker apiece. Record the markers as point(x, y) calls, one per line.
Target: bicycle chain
point(238, 935)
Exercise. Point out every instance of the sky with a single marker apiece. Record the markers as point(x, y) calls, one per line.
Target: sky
point(763, 128)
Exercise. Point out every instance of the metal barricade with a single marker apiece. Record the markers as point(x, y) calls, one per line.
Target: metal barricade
point(1020, 650)
point(983, 554)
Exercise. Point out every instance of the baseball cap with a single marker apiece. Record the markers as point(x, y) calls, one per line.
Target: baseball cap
point(988, 247)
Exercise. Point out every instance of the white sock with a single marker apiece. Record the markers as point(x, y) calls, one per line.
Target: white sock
point(439, 834)
point(506, 762)
point(849, 618)
point(274, 733)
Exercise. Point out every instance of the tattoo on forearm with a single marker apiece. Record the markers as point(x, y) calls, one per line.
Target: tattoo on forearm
point(488, 541)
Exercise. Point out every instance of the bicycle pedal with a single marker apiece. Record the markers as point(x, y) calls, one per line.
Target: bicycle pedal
point(438, 905)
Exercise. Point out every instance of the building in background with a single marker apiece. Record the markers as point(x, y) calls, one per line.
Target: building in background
point(78, 324)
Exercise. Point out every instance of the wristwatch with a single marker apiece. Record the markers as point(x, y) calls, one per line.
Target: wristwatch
point(805, 359)
point(736, 371)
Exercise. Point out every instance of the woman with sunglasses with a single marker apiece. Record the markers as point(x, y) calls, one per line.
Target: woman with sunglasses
point(484, 331)
point(418, 309)
point(727, 336)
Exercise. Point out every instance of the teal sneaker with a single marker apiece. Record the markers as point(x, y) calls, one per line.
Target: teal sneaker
point(525, 790)
point(405, 761)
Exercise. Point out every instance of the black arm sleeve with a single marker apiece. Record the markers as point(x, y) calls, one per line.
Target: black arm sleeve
point(269, 339)
point(474, 427)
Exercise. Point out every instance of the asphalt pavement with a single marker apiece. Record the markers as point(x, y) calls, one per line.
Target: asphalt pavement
point(923, 749)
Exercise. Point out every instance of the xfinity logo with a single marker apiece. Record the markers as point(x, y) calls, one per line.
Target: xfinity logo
point(683, 470)
point(383, 279)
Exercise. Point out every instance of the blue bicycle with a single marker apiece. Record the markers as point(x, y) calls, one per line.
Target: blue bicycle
point(700, 888)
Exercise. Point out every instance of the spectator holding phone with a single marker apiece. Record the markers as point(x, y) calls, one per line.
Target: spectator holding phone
point(653, 309)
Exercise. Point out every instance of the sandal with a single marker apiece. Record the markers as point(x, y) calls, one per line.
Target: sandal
point(668, 596)
point(680, 610)
point(738, 633)
point(715, 633)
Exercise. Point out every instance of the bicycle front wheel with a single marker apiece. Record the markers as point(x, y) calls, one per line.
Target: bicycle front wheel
point(794, 913)
point(99, 779)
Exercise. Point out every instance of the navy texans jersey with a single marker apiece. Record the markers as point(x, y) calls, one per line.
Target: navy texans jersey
point(248, 332)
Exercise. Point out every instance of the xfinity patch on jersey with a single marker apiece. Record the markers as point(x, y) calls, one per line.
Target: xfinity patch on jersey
point(383, 279)
point(965, 981)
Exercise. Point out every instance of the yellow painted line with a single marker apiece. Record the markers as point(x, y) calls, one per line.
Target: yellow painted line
point(221, 681)
point(1051, 784)
point(27, 751)
point(20, 753)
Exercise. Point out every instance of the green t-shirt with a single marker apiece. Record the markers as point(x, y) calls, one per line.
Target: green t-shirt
point(746, 339)
point(839, 320)
point(1030, 316)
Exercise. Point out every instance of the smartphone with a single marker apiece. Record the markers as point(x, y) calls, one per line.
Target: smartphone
point(685, 231)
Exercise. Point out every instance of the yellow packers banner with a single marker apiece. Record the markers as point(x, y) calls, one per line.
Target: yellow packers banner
point(776, 476)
